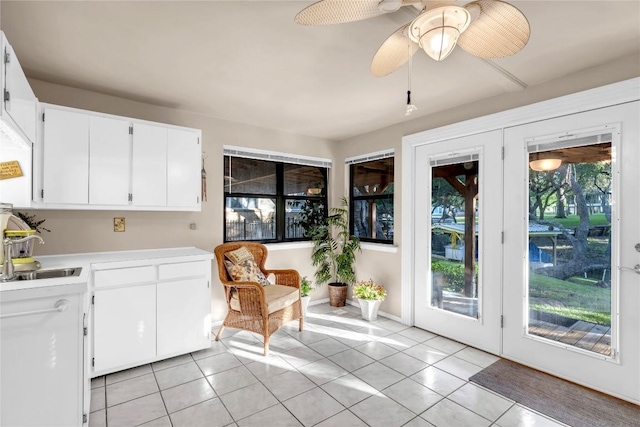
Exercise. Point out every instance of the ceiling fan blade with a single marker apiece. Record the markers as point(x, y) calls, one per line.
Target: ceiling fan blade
point(326, 12)
point(393, 53)
point(500, 29)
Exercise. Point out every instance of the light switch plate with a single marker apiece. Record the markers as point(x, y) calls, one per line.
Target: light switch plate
point(118, 224)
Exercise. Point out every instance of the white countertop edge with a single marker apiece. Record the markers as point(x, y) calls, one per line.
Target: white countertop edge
point(101, 261)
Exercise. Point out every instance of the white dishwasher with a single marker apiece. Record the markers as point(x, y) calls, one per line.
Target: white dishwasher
point(41, 356)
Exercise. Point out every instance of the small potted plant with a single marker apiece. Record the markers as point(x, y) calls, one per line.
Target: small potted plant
point(370, 296)
point(305, 289)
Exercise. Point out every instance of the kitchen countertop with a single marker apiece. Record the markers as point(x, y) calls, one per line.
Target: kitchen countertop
point(93, 261)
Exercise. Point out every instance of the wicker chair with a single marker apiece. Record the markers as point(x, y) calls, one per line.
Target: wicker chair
point(251, 303)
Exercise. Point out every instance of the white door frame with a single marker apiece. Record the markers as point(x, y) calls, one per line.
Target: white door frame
point(616, 93)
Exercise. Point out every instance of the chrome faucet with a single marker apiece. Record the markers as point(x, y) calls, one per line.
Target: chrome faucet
point(8, 272)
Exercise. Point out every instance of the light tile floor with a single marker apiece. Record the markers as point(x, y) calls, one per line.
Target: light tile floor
point(341, 371)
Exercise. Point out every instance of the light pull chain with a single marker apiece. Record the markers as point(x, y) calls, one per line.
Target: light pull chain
point(410, 107)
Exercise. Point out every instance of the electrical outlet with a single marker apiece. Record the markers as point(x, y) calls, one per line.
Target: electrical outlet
point(192, 226)
point(118, 224)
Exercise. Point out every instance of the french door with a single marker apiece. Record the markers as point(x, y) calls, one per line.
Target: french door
point(458, 223)
point(570, 293)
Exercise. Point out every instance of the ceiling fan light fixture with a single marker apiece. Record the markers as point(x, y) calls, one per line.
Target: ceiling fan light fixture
point(545, 165)
point(437, 30)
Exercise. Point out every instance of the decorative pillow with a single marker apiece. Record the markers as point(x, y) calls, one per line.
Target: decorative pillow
point(239, 255)
point(246, 271)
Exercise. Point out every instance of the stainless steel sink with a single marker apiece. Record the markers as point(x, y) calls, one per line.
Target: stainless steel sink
point(48, 274)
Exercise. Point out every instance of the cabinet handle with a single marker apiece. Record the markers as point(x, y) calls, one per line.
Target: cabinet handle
point(59, 307)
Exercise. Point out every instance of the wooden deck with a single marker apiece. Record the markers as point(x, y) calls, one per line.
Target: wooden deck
point(589, 336)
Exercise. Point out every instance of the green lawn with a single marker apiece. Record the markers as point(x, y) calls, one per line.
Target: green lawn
point(581, 301)
point(574, 220)
point(577, 298)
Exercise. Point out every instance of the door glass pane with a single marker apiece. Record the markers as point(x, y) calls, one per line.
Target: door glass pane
point(570, 246)
point(454, 238)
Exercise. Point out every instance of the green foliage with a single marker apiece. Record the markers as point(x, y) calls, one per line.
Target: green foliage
point(453, 273)
point(334, 249)
point(577, 300)
point(368, 289)
point(305, 286)
point(32, 222)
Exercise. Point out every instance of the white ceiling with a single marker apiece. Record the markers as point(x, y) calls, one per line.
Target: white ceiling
point(247, 61)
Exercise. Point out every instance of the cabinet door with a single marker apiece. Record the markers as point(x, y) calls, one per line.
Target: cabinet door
point(124, 327)
point(20, 103)
point(109, 161)
point(183, 169)
point(149, 182)
point(66, 157)
point(41, 367)
point(184, 321)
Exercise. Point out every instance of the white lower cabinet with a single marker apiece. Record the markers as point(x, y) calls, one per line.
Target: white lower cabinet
point(124, 326)
point(41, 362)
point(149, 312)
point(183, 316)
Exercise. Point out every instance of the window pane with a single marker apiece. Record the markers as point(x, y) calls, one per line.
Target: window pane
point(570, 248)
point(454, 238)
point(249, 176)
point(300, 180)
point(373, 178)
point(300, 215)
point(373, 219)
point(372, 200)
point(250, 218)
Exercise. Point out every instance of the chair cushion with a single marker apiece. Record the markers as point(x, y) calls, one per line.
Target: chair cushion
point(277, 296)
point(242, 267)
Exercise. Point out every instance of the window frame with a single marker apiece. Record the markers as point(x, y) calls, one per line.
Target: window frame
point(280, 199)
point(353, 163)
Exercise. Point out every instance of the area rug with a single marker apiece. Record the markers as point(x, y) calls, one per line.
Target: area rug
point(570, 403)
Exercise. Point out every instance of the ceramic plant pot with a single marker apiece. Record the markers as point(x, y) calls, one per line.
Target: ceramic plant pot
point(369, 308)
point(305, 304)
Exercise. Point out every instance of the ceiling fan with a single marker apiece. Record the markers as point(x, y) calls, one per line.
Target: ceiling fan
point(483, 28)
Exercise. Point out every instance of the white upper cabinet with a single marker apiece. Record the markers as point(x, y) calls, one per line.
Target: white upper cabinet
point(183, 169)
point(98, 161)
point(109, 161)
point(19, 107)
point(66, 157)
point(149, 181)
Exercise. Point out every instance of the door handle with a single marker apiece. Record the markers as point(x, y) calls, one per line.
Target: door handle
point(59, 307)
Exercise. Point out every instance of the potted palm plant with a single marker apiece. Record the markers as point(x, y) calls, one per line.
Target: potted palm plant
point(370, 296)
point(334, 253)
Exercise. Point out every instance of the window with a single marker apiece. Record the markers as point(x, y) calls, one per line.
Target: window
point(272, 201)
point(371, 204)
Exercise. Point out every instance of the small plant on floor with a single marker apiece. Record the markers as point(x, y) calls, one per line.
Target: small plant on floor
point(369, 290)
point(305, 286)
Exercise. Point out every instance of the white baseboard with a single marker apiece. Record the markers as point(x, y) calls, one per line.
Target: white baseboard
point(326, 300)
